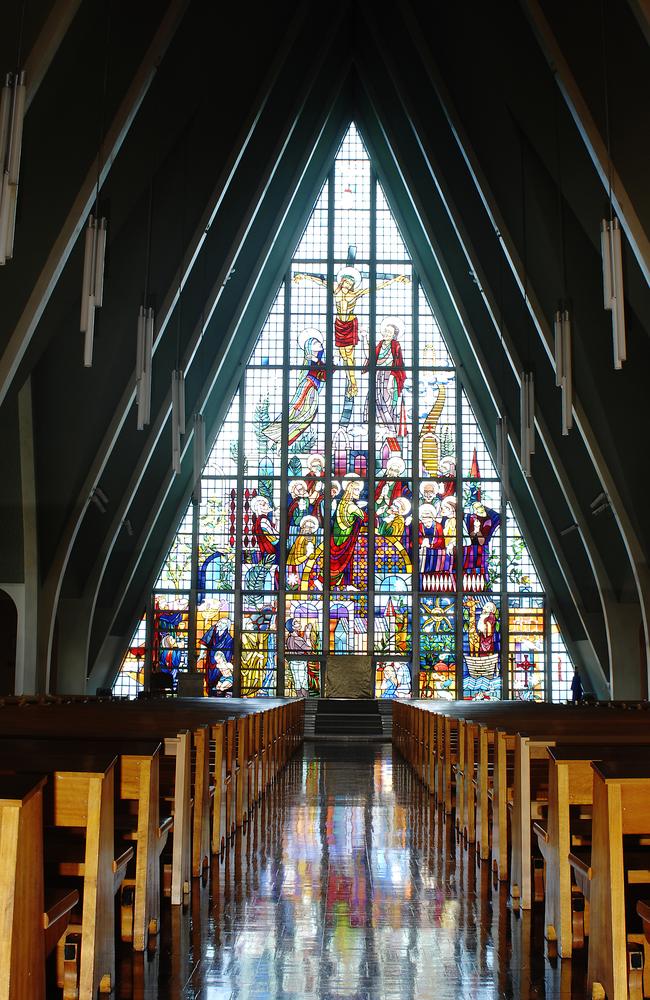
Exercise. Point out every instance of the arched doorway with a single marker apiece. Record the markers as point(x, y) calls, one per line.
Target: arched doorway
point(8, 632)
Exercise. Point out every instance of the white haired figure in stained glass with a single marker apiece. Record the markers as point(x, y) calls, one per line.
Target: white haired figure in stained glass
point(389, 486)
point(302, 549)
point(303, 405)
point(299, 506)
point(347, 524)
point(263, 529)
point(481, 524)
point(396, 520)
point(391, 377)
point(347, 292)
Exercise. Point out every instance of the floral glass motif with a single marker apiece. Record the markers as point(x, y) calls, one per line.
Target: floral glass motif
point(332, 520)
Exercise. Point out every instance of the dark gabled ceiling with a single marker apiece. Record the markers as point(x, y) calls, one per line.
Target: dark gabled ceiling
point(233, 135)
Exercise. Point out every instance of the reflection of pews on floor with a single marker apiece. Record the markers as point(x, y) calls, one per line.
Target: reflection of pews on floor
point(96, 798)
point(557, 800)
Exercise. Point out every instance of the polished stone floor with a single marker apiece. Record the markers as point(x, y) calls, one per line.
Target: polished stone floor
point(349, 885)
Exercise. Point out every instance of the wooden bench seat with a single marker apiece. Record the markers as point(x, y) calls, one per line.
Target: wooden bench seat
point(80, 795)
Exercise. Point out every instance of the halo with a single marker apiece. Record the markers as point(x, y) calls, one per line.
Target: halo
point(427, 509)
point(349, 272)
point(391, 321)
point(309, 333)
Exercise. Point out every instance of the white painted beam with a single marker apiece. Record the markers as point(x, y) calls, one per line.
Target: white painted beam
point(47, 45)
point(590, 135)
point(69, 232)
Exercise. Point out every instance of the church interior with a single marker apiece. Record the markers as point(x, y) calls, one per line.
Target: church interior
point(324, 590)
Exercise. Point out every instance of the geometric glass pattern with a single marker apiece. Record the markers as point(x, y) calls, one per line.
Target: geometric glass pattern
point(349, 502)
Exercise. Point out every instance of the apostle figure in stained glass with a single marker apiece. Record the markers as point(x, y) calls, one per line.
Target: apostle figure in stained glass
point(391, 377)
point(303, 405)
point(264, 530)
point(346, 527)
point(481, 523)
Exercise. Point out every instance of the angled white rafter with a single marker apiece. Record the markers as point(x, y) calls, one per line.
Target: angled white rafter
point(57, 569)
point(590, 134)
point(47, 45)
point(68, 234)
point(629, 535)
point(208, 386)
point(515, 363)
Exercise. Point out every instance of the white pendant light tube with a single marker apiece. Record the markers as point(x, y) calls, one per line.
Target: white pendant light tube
point(181, 401)
point(502, 455)
point(527, 415)
point(92, 283)
point(139, 365)
point(557, 332)
point(605, 251)
point(178, 418)
point(567, 373)
point(613, 292)
point(4, 217)
point(100, 256)
point(5, 112)
point(618, 304)
point(563, 365)
point(148, 364)
point(12, 114)
point(89, 334)
point(198, 453)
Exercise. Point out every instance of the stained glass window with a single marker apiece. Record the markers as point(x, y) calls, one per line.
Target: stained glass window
point(350, 502)
point(130, 679)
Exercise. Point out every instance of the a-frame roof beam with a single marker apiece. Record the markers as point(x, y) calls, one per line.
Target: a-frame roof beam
point(245, 315)
point(47, 45)
point(601, 465)
point(472, 362)
point(280, 90)
point(99, 170)
point(590, 134)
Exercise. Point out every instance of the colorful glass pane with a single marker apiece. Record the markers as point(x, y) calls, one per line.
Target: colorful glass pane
point(561, 665)
point(526, 648)
point(481, 648)
point(341, 476)
point(130, 679)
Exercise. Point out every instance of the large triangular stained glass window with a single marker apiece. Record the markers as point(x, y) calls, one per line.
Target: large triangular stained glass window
point(331, 504)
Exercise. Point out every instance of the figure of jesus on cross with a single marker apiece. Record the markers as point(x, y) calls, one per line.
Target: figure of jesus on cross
point(347, 291)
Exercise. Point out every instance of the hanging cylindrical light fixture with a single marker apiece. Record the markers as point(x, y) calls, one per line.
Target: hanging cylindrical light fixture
point(527, 413)
point(92, 284)
point(12, 114)
point(139, 365)
point(563, 365)
point(178, 417)
point(198, 453)
point(502, 455)
point(613, 294)
point(148, 363)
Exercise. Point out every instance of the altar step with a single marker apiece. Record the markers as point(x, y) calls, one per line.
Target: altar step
point(348, 719)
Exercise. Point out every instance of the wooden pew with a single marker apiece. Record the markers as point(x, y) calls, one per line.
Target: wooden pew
point(621, 808)
point(80, 796)
point(32, 918)
point(138, 790)
point(570, 786)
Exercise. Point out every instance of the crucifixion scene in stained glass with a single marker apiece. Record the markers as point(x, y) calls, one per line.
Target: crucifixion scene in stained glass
point(349, 503)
